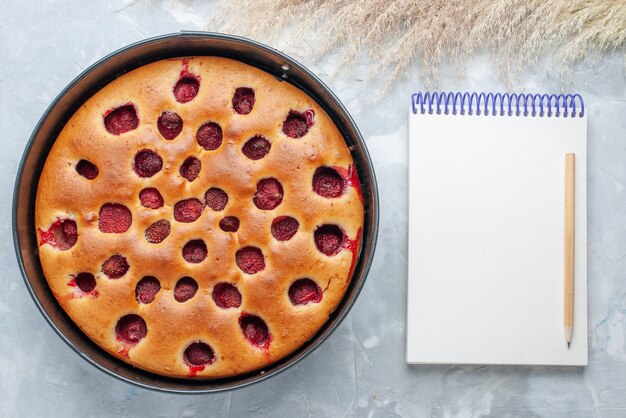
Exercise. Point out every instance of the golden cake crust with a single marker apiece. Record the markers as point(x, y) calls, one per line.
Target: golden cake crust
point(172, 326)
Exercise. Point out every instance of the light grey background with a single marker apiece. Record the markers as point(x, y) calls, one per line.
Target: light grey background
point(360, 370)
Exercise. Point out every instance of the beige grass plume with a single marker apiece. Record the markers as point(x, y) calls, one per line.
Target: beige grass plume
point(396, 33)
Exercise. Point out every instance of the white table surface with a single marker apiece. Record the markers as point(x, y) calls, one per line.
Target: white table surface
point(360, 370)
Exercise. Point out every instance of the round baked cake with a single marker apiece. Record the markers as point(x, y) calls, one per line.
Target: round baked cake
point(199, 218)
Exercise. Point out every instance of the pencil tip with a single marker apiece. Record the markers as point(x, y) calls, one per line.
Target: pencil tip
point(568, 344)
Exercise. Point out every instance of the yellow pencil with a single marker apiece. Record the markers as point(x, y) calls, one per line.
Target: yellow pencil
point(568, 313)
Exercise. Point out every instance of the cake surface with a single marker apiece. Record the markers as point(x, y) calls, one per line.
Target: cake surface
point(199, 218)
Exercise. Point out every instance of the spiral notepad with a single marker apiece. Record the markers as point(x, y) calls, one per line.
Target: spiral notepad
point(486, 228)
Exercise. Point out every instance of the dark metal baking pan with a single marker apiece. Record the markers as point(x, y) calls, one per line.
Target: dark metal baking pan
point(93, 79)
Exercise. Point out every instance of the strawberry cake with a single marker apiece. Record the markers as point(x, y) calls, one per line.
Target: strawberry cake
point(199, 218)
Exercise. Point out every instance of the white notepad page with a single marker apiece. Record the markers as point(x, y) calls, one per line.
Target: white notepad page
point(486, 239)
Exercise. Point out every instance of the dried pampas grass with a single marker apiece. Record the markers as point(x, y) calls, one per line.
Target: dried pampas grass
point(397, 32)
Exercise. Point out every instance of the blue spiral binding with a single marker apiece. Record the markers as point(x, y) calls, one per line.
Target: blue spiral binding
point(507, 103)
